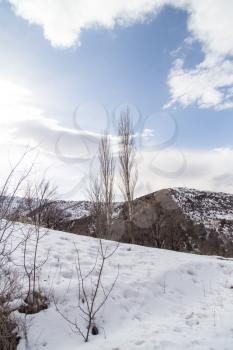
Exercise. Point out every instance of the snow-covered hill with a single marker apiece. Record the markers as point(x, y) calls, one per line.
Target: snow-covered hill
point(72, 210)
point(162, 299)
point(204, 220)
point(213, 209)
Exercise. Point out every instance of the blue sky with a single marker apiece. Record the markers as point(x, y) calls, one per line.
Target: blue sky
point(162, 61)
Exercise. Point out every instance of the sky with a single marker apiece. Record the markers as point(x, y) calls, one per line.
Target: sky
point(68, 69)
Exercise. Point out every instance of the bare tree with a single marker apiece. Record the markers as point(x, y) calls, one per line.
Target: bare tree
point(107, 169)
point(127, 163)
point(9, 189)
point(42, 207)
point(54, 216)
point(158, 226)
point(39, 197)
point(100, 190)
point(167, 228)
point(96, 210)
point(176, 235)
point(92, 294)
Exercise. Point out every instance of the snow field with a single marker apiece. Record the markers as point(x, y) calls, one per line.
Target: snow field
point(162, 299)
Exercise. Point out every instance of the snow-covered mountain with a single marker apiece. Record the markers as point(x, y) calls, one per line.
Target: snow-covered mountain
point(188, 219)
point(212, 209)
point(72, 210)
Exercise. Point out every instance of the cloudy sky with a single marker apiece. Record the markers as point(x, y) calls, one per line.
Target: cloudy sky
point(68, 67)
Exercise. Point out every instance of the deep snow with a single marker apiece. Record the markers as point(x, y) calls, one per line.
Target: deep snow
point(162, 299)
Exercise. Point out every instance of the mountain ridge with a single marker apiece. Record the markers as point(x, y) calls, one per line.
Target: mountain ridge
point(177, 218)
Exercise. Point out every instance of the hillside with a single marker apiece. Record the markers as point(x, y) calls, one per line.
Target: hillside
point(183, 219)
point(179, 219)
point(213, 209)
point(162, 299)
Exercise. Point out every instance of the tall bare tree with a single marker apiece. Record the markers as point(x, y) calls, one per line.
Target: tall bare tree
point(128, 167)
point(107, 169)
point(100, 190)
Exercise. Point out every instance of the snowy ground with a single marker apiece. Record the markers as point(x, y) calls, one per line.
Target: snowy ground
point(162, 299)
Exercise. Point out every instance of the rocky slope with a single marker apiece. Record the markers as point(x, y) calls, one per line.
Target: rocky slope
point(213, 209)
point(186, 219)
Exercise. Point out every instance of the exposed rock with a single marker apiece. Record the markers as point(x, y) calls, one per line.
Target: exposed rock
point(182, 219)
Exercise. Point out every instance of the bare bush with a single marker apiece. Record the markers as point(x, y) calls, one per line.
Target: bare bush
point(10, 286)
point(9, 207)
point(10, 290)
point(8, 331)
point(92, 294)
point(38, 197)
point(34, 300)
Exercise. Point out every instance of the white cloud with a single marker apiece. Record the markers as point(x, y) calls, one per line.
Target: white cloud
point(63, 21)
point(207, 86)
point(209, 83)
point(209, 22)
